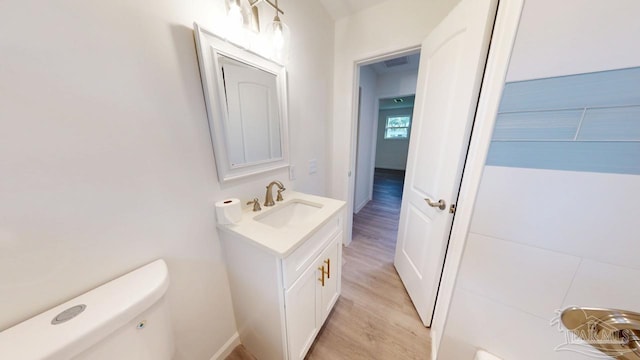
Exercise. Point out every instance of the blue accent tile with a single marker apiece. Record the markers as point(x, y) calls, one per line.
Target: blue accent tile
point(621, 123)
point(538, 125)
point(607, 157)
point(607, 88)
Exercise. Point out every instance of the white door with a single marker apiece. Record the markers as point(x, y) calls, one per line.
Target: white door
point(452, 62)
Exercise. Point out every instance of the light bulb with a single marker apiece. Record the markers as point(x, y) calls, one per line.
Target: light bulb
point(235, 15)
point(278, 37)
point(234, 29)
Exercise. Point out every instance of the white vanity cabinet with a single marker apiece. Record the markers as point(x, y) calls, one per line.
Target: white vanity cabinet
point(282, 299)
point(310, 298)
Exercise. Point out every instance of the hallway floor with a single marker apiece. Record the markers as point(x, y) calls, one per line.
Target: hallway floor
point(374, 317)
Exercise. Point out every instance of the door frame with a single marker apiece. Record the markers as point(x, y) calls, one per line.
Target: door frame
point(500, 48)
point(353, 140)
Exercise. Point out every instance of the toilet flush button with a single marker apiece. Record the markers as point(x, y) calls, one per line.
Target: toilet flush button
point(68, 314)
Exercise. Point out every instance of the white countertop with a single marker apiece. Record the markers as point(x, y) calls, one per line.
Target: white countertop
point(282, 242)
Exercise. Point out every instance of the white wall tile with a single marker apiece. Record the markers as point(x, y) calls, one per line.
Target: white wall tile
point(508, 333)
point(558, 38)
point(530, 279)
point(588, 215)
point(603, 285)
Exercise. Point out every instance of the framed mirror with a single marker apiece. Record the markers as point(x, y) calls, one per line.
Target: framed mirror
point(246, 99)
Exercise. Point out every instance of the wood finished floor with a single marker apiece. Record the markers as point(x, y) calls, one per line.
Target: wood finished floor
point(374, 318)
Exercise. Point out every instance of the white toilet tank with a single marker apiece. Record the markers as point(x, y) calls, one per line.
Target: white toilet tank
point(124, 319)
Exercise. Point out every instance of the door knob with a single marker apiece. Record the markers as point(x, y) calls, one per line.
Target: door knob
point(440, 204)
point(614, 332)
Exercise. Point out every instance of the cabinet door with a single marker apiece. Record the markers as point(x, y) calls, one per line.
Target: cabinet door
point(331, 260)
point(302, 301)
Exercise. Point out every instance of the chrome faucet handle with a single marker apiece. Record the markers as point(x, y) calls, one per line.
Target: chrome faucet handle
point(256, 204)
point(279, 197)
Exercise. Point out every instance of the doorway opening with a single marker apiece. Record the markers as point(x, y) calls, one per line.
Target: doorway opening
point(371, 287)
point(448, 197)
point(452, 63)
point(385, 113)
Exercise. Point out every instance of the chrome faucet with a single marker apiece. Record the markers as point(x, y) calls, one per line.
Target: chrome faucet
point(268, 198)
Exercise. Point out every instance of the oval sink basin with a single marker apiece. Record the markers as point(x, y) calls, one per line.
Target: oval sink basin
point(289, 214)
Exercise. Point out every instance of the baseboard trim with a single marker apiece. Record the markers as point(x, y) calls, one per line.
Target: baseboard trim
point(434, 345)
point(359, 207)
point(227, 348)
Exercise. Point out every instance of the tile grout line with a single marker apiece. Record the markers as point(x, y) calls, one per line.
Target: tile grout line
point(584, 112)
point(502, 303)
point(573, 278)
point(561, 109)
point(582, 257)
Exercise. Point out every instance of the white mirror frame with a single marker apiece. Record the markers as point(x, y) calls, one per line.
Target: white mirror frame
point(210, 47)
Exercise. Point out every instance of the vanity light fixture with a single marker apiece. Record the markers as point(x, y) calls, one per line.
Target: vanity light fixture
point(277, 32)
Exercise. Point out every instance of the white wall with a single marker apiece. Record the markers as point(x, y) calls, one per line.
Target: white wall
point(106, 158)
point(400, 83)
point(310, 91)
point(360, 37)
point(366, 137)
point(574, 37)
point(391, 153)
point(538, 241)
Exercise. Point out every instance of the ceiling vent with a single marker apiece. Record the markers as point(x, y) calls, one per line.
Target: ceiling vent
point(403, 60)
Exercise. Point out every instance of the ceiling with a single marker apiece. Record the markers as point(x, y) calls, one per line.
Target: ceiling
point(401, 63)
point(341, 8)
point(397, 102)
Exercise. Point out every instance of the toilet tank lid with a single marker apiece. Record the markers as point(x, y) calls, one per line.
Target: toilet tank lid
point(108, 307)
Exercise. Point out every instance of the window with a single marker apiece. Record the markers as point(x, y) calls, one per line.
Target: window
point(397, 127)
